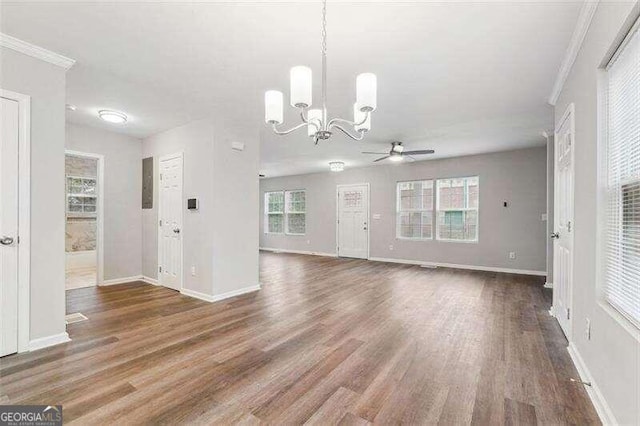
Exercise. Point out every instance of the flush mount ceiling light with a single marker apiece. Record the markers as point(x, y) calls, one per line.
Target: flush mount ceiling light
point(319, 127)
point(336, 166)
point(112, 116)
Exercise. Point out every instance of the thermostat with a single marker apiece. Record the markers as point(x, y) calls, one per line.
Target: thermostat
point(192, 204)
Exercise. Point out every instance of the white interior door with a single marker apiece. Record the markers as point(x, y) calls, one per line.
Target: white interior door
point(353, 221)
point(563, 223)
point(9, 123)
point(170, 222)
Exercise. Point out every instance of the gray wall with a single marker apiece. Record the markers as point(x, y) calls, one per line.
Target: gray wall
point(221, 238)
point(45, 83)
point(613, 354)
point(518, 177)
point(122, 193)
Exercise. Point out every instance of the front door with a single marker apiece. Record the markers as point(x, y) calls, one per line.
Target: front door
point(9, 123)
point(353, 221)
point(563, 222)
point(170, 222)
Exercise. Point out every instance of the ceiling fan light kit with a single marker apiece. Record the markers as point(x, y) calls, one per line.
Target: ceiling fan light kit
point(336, 166)
point(318, 125)
point(397, 153)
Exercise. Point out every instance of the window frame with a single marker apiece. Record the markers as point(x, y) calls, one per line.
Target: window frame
point(84, 195)
point(267, 213)
point(619, 315)
point(465, 209)
point(287, 212)
point(398, 210)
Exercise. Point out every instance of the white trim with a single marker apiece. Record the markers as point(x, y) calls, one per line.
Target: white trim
point(35, 51)
point(459, 266)
point(219, 297)
point(600, 404)
point(122, 280)
point(311, 253)
point(150, 280)
point(100, 209)
point(579, 33)
point(548, 285)
point(24, 216)
point(347, 185)
point(45, 342)
point(179, 154)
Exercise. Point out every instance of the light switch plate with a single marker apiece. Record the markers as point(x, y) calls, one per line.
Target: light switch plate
point(238, 146)
point(376, 216)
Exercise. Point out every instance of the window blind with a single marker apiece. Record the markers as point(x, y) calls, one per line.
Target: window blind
point(622, 209)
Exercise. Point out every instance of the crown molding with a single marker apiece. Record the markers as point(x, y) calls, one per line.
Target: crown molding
point(579, 33)
point(35, 51)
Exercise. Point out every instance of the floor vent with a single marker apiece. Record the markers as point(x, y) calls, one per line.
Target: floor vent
point(73, 318)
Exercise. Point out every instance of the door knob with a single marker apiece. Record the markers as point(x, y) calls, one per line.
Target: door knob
point(6, 241)
point(176, 230)
point(555, 235)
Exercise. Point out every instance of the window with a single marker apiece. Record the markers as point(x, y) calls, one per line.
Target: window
point(285, 212)
point(457, 206)
point(81, 196)
point(414, 210)
point(296, 212)
point(621, 248)
point(274, 212)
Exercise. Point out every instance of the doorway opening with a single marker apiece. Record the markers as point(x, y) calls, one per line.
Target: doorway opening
point(83, 224)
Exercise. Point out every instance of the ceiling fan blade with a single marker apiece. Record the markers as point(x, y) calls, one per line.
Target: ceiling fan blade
point(382, 158)
point(377, 153)
point(419, 152)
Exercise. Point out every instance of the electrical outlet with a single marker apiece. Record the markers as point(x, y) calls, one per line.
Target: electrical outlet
point(193, 271)
point(390, 246)
point(587, 330)
point(512, 255)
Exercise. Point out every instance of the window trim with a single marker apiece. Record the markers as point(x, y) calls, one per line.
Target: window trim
point(466, 209)
point(287, 213)
point(629, 324)
point(398, 211)
point(267, 213)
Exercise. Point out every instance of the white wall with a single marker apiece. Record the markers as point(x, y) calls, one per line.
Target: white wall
point(612, 356)
point(220, 239)
point(122, 196)
point(518, 177)
point(195, 140)
point(45, 83)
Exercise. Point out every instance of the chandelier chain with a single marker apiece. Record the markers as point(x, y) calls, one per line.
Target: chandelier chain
point(324, 27)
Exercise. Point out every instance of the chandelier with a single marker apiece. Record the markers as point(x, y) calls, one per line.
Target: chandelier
point(318, 125)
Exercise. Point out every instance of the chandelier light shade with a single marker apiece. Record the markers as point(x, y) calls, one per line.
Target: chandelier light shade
point(301, 86)
point(366, 91)
point(273, 112)
point(316, 120)
point(336, 166)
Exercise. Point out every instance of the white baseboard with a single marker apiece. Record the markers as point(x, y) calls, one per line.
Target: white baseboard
point(150, 280)
point(312, 253)
point(600, 404)
point(458, 266)
point(122, 280)
point(218, 297)
point(548, 285)
point(45, 342)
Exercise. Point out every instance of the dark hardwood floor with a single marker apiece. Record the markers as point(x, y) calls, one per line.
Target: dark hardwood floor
point(325, 341)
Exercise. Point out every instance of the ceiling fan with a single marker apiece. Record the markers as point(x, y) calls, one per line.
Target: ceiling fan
point(397, 153)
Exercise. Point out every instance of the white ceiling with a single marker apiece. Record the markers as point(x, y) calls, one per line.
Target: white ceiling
point(459, 77)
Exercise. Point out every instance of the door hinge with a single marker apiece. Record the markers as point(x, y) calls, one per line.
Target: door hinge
point(568, 313)
point(160, 222)
point(160, 268)
point(160, 176)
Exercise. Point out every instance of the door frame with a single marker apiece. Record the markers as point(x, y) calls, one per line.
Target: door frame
point(347, 185)
point(179, 154)
point(99, 212)
point(569, 114)
point(24, 215)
